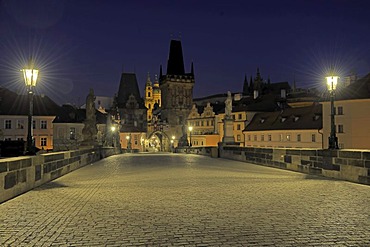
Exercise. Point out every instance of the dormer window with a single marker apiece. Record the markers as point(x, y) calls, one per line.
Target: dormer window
point(295, 118)
point(283, 119)
point(262, 120)
point(316, 117)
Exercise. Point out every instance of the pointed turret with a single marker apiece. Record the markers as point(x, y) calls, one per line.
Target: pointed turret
point(156, 83)
point(175, 64)
point(251, 85)
point(245, 85)
point(148, 82)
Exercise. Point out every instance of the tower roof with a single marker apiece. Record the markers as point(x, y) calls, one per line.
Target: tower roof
point(128, 85)
point(175, 64)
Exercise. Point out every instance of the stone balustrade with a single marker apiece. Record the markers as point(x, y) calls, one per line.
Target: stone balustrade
point(21, 174)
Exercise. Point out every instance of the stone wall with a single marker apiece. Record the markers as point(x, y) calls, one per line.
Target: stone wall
point(351, 165)
point(207, 151)
point(21, 174)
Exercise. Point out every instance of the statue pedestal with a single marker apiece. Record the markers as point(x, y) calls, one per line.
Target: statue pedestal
point(228, 137)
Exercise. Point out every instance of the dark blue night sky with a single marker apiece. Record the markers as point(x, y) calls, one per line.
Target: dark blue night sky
point(81, 44)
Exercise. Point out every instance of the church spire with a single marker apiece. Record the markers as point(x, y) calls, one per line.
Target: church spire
point(148, 82)
point(245, 85)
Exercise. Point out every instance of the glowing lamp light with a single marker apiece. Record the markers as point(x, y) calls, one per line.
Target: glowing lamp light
point(173, 137)
point(30, 76)
point(332, 82)
point(190, 128)
point(127, 137)
point(113, 128)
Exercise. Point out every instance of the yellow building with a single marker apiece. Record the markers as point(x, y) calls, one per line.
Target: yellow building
point(203, 124)
point(352, 119)
point(152, 97)
point(290, 128)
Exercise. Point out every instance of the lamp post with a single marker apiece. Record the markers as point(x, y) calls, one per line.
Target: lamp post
point(173, 143)
point(190, 130)
point(332, 82)
point(128, 138)
point(30, 75)
point(113, 129)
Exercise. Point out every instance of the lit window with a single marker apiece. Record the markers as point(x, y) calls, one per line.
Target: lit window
point(288, 138)
point(43, 141)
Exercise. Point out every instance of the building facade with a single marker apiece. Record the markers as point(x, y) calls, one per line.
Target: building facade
point(14, 110)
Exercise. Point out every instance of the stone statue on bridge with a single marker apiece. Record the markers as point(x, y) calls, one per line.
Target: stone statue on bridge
point(90, 130)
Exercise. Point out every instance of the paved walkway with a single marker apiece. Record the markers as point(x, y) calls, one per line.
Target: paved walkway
point(187, 200)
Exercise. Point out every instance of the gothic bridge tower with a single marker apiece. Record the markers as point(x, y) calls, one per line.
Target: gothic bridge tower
point(176, 91)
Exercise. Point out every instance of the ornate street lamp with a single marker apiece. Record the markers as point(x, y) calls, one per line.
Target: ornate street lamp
point(332, 82)
point(30, 75)
point(190, 130)
point(113, 129)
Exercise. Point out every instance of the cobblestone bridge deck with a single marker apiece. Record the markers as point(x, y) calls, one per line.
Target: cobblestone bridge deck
point(187, 200)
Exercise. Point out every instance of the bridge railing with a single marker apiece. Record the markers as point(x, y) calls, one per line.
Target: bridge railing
point(21, 174)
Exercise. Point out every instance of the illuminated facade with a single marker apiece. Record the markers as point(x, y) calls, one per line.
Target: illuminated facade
point(352, 119)
point(14, 114)
point(289, 128)
point(152, 99)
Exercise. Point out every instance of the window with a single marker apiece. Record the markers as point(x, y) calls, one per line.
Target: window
point(288, 138)
point(262, 138)
point(239, 116)
point(20, 124)
point(298, 137)
point(72, 133)
point(269, 138)
point(207, 122)
point(43, 141)
point(8, 124)
point(340, 110)
point(281, 137)
point(249, 137)
point(255, 138)
point(313, 137)
point(238, 138)
point(33, 124)
point(148, 94)
point(340, 128)
point(238, 126)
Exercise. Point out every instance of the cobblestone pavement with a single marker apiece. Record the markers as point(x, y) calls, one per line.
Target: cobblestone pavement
point(187, 200)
